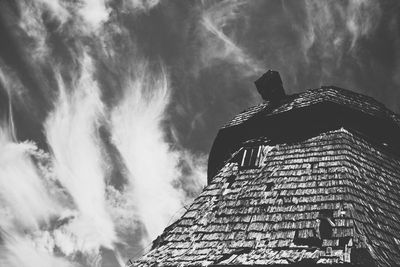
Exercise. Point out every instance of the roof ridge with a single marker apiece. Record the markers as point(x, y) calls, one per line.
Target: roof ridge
point(361, 102)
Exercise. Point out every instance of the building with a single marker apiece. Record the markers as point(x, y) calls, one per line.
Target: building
point(300, 180)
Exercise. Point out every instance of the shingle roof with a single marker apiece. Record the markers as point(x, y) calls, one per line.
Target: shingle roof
point(333, 94)
point(317, 110)
point(270, 215)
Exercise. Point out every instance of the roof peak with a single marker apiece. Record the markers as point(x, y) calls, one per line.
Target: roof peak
point(312, 96)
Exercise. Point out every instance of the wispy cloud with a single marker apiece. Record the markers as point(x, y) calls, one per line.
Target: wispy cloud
point(27, 204)
point(137, 127)
point(72, 134)
point(22, 252)
point(139, 5)
point(218, 44)
point(128, 92)
point(334, 28)
point(94, 12)
point(75, 211)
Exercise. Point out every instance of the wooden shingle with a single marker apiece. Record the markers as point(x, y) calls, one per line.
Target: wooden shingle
point(339, 181)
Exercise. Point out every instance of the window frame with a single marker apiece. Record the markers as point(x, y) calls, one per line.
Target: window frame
point(251, 161)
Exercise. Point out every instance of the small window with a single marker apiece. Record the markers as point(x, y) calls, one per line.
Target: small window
point(250, 157)
point(326, 224)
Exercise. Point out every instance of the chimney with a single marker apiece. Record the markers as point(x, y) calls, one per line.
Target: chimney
point(270, 87)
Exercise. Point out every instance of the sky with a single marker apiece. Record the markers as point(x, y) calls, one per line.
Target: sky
point(108, 108)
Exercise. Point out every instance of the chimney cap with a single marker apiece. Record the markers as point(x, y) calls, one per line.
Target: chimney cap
point(270, 87)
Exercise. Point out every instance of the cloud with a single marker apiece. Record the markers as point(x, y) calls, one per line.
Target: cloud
point(72, 134)
point(81, 211)
point(125, 135)
point(334, 28)
point(25, 200)
point(152, 164)
point(21, 252)
point(94, 12)
point(140, 5)
point(13, 87)
point(362, 18)
point(27, 204)
point(57, 201)
point(219, 45)
point(58, 9)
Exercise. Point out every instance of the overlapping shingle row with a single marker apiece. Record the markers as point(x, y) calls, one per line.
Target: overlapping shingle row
point(373, 188)
point(272, 214)
point(336, 95)
point(328, 199)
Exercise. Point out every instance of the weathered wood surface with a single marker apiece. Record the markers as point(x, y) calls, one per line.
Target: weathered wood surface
point(326, 191)
point(251, 222)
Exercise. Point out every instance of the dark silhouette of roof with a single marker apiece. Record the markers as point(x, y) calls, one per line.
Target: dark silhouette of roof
point(301, 115)
point(312, 180)
point(332, 94)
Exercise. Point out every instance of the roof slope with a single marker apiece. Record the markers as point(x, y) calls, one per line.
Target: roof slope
point(333, 94)
point(270, 215)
